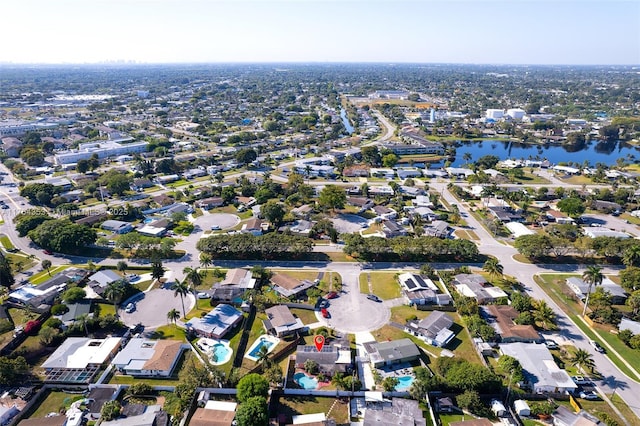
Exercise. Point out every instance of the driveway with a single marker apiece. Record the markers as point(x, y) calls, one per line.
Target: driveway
point(151, 311)
point(349, 223)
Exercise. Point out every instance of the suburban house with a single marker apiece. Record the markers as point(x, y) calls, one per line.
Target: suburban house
point(541, 372)
point(141, 183)
point(599, 231)
point(558, 217)
point(288, 286)
point(361, 203)
point(418, 290)
point(303, 211)
point(281, 322)
point(398, 411)
point(382, 173)
point(314, 419)
point(76, 311)
point(99, 281)
point(475, 286)
point(392, 229)
point(606, 206)
point(253, 226)
point(331, 359)
point(627, 324)
point(216, 323)
point(215, 413)
point(563, 416)
point(210, 203)
point(392, 352)
point(384, 213)
point(580, 288)
point(422, 201)
point(149, 358)
point(234, 285)
point(438, 228)
point(78, 359)
point(141, 415)
point(40, 298)
point(434, 329)
point(501, 318)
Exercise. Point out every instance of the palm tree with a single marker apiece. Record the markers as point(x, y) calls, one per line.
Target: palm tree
point(263, 357)
point(173, 315)
point(493, 267)
point(631, 256)
point(157, 270)
point(205, 262)
point(592, 276)
point(181, 288)
point(114, 293)
point(582, 359)
point(193, 276)
point(122, 266)
point(46, 265)
point(544, 316)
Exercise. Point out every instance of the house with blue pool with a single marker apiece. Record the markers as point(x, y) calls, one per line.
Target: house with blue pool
point(216, 323)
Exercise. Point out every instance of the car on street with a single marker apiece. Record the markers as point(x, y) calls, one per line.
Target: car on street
point(130, 308)
point(331, 295)
point(215, 227)
point(374, 298)
point(133, 278)
point(324, 304)
point(4, 206)
point(589, 395)
point(596, 346)
point(580, 380)
point(203, 296)
point(49, 252)
point(325, 313)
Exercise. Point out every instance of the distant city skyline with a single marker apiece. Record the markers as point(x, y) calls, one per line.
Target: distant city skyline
point(544, 32)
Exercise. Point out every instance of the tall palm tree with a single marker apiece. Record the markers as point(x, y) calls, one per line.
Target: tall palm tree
point(493, 267)
point(122, 266)
point(582, 359)
point(173, 315)
point(46, 265)
point(157, 270)
point(631, 256)
point(263, 356)
point(193, 276)
point(205, 262)
point(181, 288)
point(114, 293)
point(592, 276)
point(544, 316)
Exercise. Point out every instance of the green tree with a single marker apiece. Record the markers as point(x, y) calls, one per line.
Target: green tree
point(630, 278)
point(332, 197)
point(140, 388)
point(371, 155)
point(544, 316)
point(6, 275)
point(592, 276)
point(252, 385)
point(114, 292)
point(74, 295)
point(311, 366)
point(46, 265)
point(253, 412)
point(192, 276)
point(47, 335)
point(470, 401)
point(390, 160)
point(61, 235)
point(122, 266)
point(157, 270)
point(173, 315)
point(110, 410)
point(246, 155)
point(511, 367)
point(82, 166)
point(181, 288)
point(571, 206)
point(631, 255)
point(582, 359)
point(389, 383)
point(273, 212)
point(205, 261)
point(493, 267)
point(633, 301)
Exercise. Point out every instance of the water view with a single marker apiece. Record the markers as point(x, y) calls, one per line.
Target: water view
point(594, 152)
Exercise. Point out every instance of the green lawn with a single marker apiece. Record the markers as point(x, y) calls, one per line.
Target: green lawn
point(450, 418)
point(54, 402)
point(21, 316)
point(553, 284)
point(384, 284)
point(6, 242)
point(43, 276)
point(170, 331)
point(339, 411)
point(306, 316)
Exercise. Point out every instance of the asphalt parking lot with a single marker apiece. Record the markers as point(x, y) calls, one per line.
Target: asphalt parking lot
point(349, 223)
point(349, 317)
point(151, 310)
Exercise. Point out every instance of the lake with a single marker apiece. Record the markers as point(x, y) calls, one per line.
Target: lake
point(594, 152)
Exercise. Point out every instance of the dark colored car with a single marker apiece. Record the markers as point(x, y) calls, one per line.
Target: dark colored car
point(49, 252)
point(331, 295)
point(374, 298)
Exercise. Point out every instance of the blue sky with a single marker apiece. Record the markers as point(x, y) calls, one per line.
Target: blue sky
point(428, 31)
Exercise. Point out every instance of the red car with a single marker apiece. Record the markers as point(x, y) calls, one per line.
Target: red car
point(49, 252)
point(325, 313)
point(331, 295)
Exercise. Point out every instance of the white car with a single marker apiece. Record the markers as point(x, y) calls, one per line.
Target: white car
point(596, 346)
point(203, 296)
point(130, 308)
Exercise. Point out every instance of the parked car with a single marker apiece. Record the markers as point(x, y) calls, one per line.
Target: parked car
point(133, 278)
point(580, 380)
point(203, 296)
point(324, 304)
point(589, 396)
point(551, 344)
point(130, 308)
point(215, 227)
point(331, 295)
point(374, 298)
point(596, 346)
point(49, 252)
point(325, 313)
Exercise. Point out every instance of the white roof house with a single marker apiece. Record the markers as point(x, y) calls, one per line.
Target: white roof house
point(518, 229)
point(598, 231)
point(216, 323)
point(79, 352)
point(540, 370)
point(143, 357)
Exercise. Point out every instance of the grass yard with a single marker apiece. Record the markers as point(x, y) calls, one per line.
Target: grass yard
point(554, 286)
point(306, 316)
point(106, 309)
point(299, 275)
point(43, 276)
point(170, 331)
point(577, 180)
point(54, 402)
point(337, 410)
point(383, 284)
point(466, 235)
point(446, 419)
point(203, 307)
point(21, 316)
point(6, 242)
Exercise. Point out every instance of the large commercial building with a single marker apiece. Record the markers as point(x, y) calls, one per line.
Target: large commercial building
point(103, 149)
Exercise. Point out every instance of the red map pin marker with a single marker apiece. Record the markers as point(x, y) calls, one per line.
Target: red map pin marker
point(319, 341)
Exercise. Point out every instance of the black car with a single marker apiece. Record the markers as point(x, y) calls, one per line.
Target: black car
point(374, 298)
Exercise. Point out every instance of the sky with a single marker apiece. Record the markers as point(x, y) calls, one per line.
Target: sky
point(582, 32)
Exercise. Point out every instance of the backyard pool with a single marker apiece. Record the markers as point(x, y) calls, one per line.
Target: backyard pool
point(218, 350)
point(404, 382)
point(305, 382)
point(268, 342)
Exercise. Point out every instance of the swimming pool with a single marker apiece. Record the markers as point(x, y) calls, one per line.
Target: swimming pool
point(268, 342)
point(218, 351)
point(404, 382)
point(305, 382)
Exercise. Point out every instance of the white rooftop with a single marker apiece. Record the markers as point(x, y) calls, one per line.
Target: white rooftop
point(79, 352)
point(304, 419)
point(221, 405)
